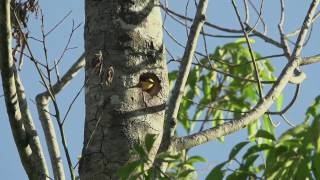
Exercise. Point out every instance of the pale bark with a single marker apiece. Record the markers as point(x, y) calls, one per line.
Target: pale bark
point(179, 87)
point(127, 37)
point(27, 143)
point(43, 99)
point(34, 142)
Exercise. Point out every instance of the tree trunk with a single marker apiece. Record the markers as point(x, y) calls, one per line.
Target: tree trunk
point(124, 46)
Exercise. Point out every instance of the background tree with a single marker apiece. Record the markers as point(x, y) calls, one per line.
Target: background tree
point(225, 87)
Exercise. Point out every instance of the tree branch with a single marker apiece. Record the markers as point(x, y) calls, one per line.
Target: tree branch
point(310, 60)
point(254, 63)
point(178, 90)
point(248, 28)
point(43, 100)
point(21, 138)
point(31, 132)
point(230, 127)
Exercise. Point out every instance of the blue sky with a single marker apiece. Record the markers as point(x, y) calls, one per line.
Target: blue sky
point(219, 12)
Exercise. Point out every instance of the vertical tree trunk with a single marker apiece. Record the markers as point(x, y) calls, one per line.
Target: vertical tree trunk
point(123, 44)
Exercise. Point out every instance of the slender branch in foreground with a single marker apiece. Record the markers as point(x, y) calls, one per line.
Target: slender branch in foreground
point(39, 160)
point(293, 100)
point(254, 63)
point(51, 140)
point(284, 42)
point(177, 93)
point(43, 100)
point(310, 60)
point(27, 154)
point(202, 137)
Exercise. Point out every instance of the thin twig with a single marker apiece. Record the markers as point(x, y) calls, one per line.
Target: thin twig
point(254, 63)
point(315, 17)
point(48, 127)
point(226, 73)
point(66, 48)
point(248, 27)
point(72, 102)
point(58, 24)
point(192, 140)
point(293, 100)
point(286, 120)
point(284, 42)
point(43, 101)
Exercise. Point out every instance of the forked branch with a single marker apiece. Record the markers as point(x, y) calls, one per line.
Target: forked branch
point(233, 126)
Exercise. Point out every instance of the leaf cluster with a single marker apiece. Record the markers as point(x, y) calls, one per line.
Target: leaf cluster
point(222, 86)
point(294, 155)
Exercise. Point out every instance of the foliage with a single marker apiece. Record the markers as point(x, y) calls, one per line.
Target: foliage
point(294, 155)
point(214, 97)
point(180, 167)
point(222, 87)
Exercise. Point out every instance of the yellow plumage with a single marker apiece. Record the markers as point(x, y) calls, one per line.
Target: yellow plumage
point(147, 84)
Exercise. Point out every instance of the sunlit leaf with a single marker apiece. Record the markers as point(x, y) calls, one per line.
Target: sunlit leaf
point(316, 165)
point(185, 173)
point(195, 159)
point(217, 172)
point(250, 160)
point(265, 134)
point(125, 171)
point(206, 86)
point(235, 150)
point(256, 148)
point(149, 141)
point(252, 129)
point(139, 149)
point(279, 102)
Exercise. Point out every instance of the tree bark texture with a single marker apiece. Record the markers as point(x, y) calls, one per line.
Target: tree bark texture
point(123, 43)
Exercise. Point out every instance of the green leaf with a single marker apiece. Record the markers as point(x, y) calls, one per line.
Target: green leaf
point(312, 111)
point(269, 66)
point(292, 143)
point(149, 141)
point(139, 149)
point(244, 41)
point(217, 172)
point(279, 102)
point(267, 124)
point(206, 85)
point(236, 149)
point(250, 160)
point(125, 171)
point(185, 173)
point(167, 157)
point(195, 159)
point(173, 75)
point(256, 148)
point(315, 133)
point(187, 166)
point(252, 129)
point(294, 132)
point(316, 165)
point(251, 93)
point(239, 174)
point(193, 77)
point(265, 134)
point(301, 169)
